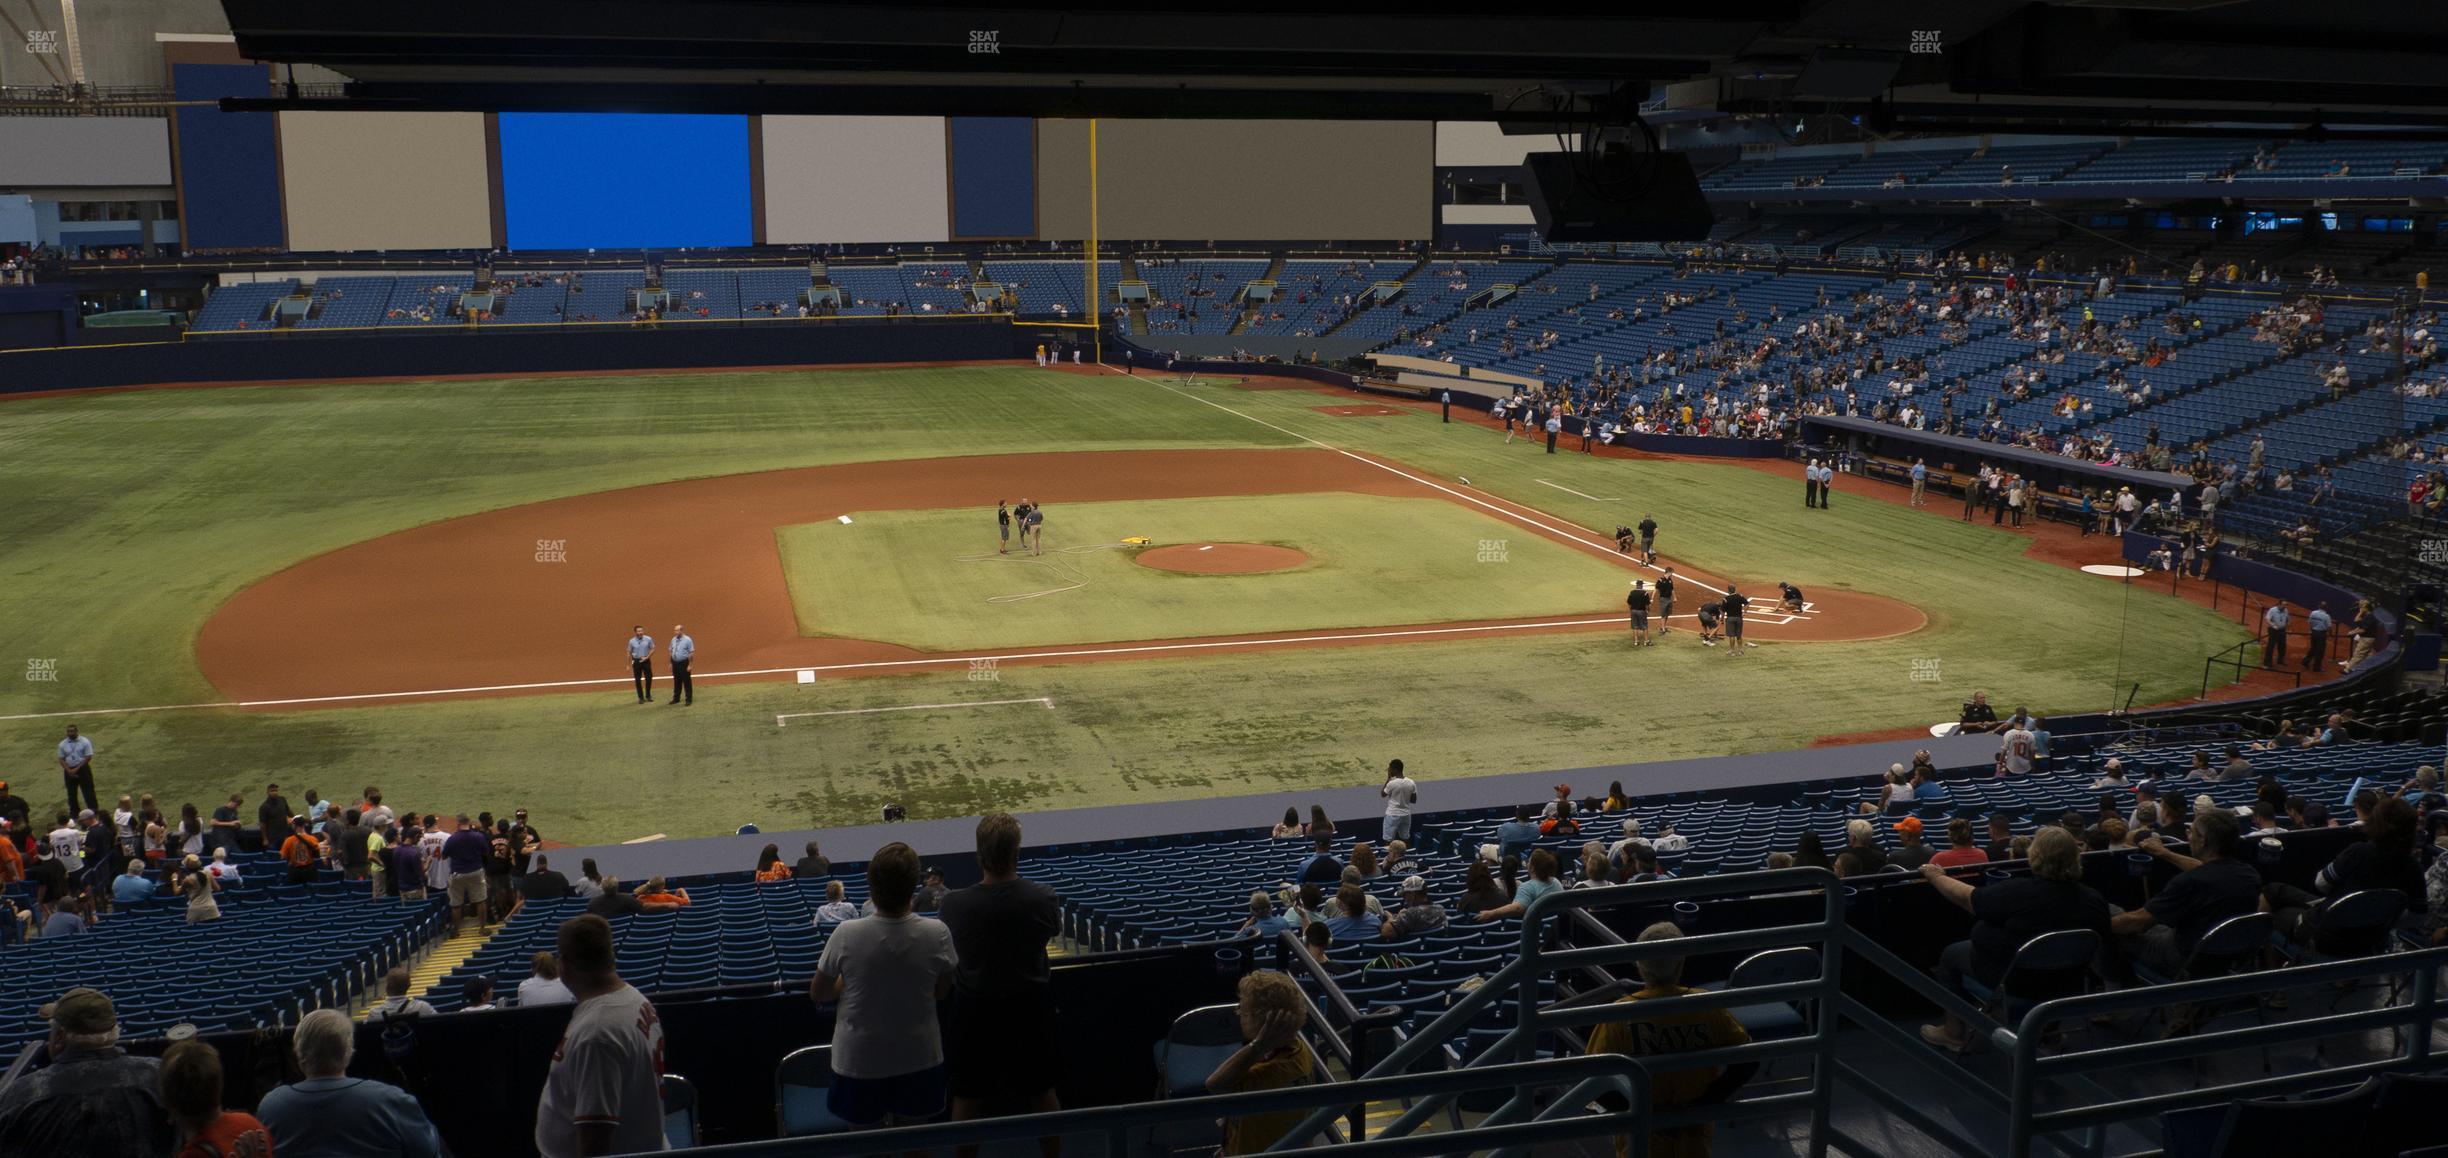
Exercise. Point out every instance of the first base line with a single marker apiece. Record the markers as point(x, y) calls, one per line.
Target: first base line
point(780, 720)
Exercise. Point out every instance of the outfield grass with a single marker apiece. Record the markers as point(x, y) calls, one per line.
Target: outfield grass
point(132, 516)
point(905, 576)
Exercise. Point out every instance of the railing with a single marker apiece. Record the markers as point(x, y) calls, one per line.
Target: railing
point(2030, 1072)
point(1565, 1120)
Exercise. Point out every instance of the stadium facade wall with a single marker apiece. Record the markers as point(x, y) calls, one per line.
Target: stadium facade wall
point(855, 180)
point(228, 163)
point(361, 181)
point(1228, 180)
point(90, 152)
point(290, 358)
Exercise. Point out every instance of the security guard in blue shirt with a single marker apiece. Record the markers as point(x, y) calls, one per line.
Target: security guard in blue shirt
point(682, 650)
point(641, 663)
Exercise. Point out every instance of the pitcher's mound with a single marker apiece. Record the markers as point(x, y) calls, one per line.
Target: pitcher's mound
point(1221, 558)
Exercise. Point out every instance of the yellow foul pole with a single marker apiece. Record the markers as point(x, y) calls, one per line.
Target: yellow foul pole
point(1096, 297)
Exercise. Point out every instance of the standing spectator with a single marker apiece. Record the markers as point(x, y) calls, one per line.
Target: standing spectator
point(223, 833)
point(542, 985)
point(12, 865)
point(2019, 745)
point(604, 1092)
point(76, 768)
point(93, 1099)
point(1272, 1057)
point(464, 853)
point(198, 887)
point(499, 852)
point(68, 844)
point(48, 877)
point(272, 818)
point(328, 1114)
point(18, 814)
point(191, 1090)
point(1002, 994)
point(351, 845)
point(407, 861)
point(888, 970)
point(1400, 793)
point(301, 853)
point(1645, 1036)
point(813, 865)
point(525, 843)
point(397, 1001)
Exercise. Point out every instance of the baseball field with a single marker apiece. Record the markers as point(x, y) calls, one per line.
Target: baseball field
point(428, 586)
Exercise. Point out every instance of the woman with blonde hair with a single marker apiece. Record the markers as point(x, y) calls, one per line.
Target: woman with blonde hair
point(198, 886)
point(1272, 1012)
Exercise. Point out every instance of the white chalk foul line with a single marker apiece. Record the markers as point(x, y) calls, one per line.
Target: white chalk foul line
point(1570, 491)
point(1571, 534)
point(1048, 701)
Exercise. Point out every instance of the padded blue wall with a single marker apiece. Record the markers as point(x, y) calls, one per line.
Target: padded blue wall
point(994, 177)
point(625, 180)
point(228, 163)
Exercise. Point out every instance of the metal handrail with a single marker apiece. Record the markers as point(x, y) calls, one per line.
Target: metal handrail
point(1584, 1076)
point(2029, 1071)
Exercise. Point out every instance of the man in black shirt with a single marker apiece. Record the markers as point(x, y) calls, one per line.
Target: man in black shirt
point(1665, 597)
point(1978, 716)
point(2214, 886)
point(543, 883)
point(272, 818)
point(1734, 603)
point(1002, 999)
point(18, 814)
point(48, 876)
point(2009, 913)
point(1648, 537)
point(814, 864)
point(1638, 603)
point(1789, 597)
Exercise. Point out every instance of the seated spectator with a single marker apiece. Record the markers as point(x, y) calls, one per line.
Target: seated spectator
point(1320, 828)
point(2008, 913)
point(2435, 883)
point(1615, 800)
point(888, 971)
point(930, 895)
point(191, 1090)
point(837, 908)
point(2385, 861)
point(1808, 852)
point(328, 1114)
point(657, 893)
point(1290, 825)
point(1321, 867)
point(769, 866)
point(1558, 820)
point(69, 916)
point(131, 886)
point(1910, 852)
point(1861, 839)
point(397, 1002)
point(542, 985)
point(1263, 923)
point(813, 865)
point(1479, 890)
point(1364, 859)
point(1961, 849)
point(1418, 914)
point(1398, 859)
point(2112, 773)
point(1369, 905)
point(589, 884)
point(1597, 871)
point(1668, 841)
point(224, 874)
point(1643, 1036)
point(2214, 886)
point(476, 995)
point(1541, 881)
point(1978, 716)
point(1353, 920)
point(542, 883)
point(92, 1098)
point(615, 903)
point(1515, 836)
point(2001, 837)
point(1641, 865)
point(1273, 1057)
point(2302, 813)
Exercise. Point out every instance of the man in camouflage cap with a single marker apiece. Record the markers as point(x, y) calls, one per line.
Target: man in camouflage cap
point(92, 1098)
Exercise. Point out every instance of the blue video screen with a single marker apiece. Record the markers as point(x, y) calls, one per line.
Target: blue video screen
point(625, 180)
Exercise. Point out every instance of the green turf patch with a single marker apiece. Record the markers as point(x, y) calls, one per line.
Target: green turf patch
point(921, 578)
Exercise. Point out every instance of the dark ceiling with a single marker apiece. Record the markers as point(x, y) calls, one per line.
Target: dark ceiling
point(1903, 65)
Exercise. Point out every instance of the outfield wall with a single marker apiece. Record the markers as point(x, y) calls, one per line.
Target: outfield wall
point(306, 357)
